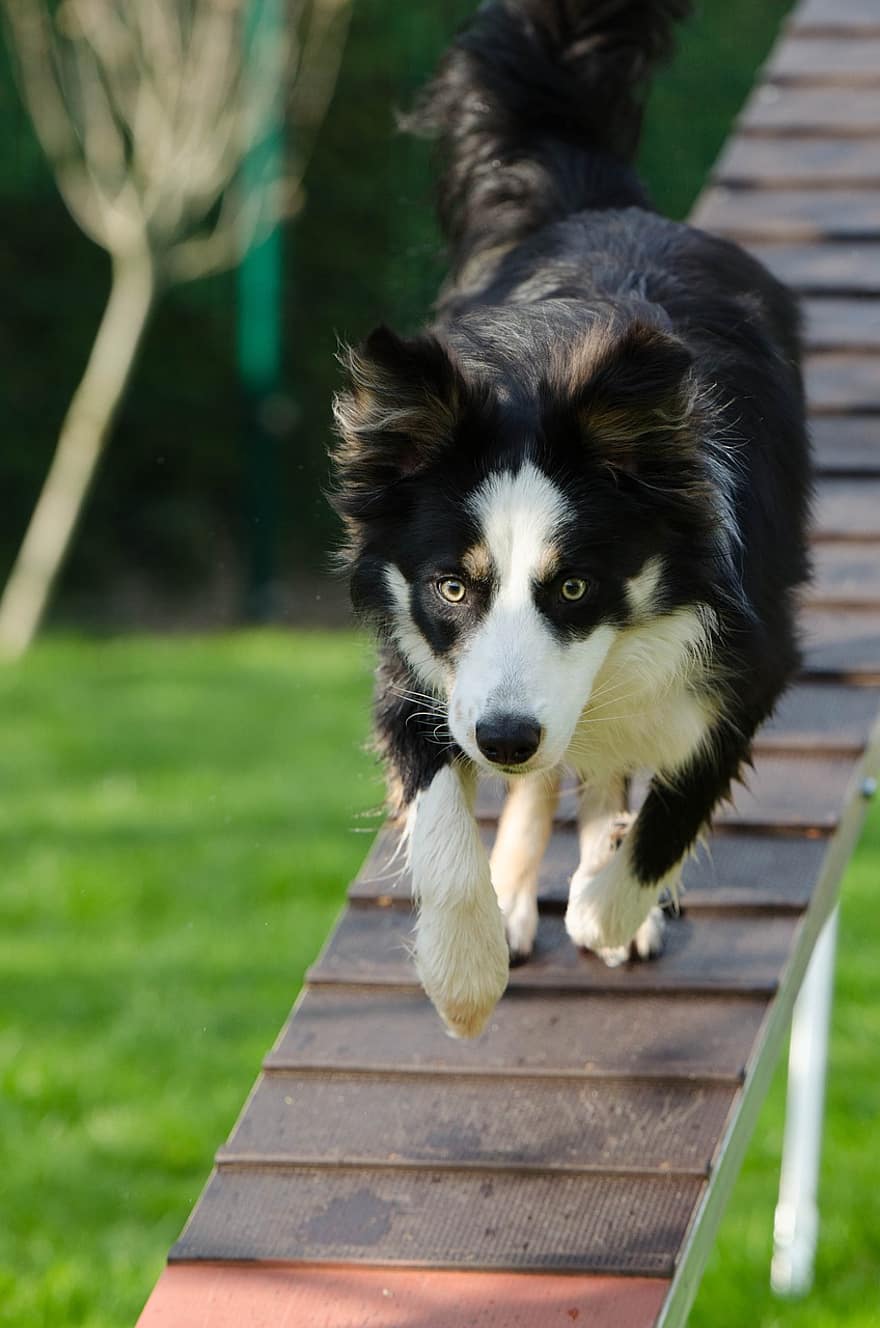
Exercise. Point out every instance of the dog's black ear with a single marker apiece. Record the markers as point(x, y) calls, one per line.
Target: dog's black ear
point(636, 399)
point(395, 416)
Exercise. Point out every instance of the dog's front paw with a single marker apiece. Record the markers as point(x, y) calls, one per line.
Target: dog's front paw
point(521, 925)
point(462, 960)
point(613, 915)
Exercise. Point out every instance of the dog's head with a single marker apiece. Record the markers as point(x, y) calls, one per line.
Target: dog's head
point(504, 537)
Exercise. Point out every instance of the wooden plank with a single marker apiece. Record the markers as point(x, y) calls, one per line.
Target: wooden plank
point(843, 383)
point(370, 947)
point(782, 792)
point(790, 214)
point(842, 643)
point(848, 61)
point(798, 162)
point(841, 324)
point(846, 444)
point(847, 575)
point(847, 112)
point(669, 1036)
point(734, 871)
point(438, 1219)
point(813, 717)
point(829, 18)
point(845, 268)
point(848, 508)
point(591, 1125)
point(235, 1295)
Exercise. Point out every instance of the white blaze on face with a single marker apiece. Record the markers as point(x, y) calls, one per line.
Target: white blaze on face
point(513, 664)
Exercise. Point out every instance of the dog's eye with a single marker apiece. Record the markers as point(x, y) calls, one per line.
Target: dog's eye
point(573, 588)
point(451, 589)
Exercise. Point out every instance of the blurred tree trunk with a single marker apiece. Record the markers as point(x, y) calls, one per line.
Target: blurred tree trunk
point(83, 435)
point(147, 112)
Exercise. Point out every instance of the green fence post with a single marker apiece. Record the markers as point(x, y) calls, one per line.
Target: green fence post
point(259, 336)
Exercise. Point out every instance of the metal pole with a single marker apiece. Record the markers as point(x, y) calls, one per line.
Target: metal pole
point(796, 1226)
point(260, 338)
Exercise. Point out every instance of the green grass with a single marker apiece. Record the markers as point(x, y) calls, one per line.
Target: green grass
point(177, 828)
point(176, 831)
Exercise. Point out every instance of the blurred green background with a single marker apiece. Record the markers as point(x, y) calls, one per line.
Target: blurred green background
point(180, 816)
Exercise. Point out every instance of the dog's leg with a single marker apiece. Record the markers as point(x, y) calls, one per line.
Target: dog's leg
point(599, 812)
point(601, 816)
point(611, 910)
point(460, 950)
point(523, 832)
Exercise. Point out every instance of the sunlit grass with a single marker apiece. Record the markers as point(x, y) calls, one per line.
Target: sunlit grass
point(178, 823)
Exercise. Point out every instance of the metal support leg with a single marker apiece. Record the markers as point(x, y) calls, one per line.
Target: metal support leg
point(796, 1225)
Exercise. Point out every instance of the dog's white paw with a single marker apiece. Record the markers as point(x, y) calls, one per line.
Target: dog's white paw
point(520, 924)
point(612, 914)
point(462, 960)
point(651, 936)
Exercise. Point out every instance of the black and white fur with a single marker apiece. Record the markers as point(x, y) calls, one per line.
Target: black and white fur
point(575, 505)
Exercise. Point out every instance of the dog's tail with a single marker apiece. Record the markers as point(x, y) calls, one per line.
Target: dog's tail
point(538, 107)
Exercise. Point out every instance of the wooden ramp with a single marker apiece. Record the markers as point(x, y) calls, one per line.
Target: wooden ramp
point(574, 1163)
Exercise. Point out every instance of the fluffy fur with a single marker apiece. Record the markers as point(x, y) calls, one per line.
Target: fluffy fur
point(575, 504)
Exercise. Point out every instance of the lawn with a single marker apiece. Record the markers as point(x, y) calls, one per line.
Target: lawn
point(179, 819)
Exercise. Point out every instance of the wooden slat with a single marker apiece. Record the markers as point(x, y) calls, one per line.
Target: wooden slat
point(581, 1223)
point(842, 643)
point(782, 792)
point(370, 947)
point(785, 163)
point(848, 509)
point(734, 871)
point(846, 444)
point(830, 18)
point(847, 575)
point(847, 61)
point(844, 268)
point(547, 1124)
point(826, 112)
point(669, 1037)
point(836, 324)
point(813, 718)
point(790, 214)
point(843, 384)
point(236, 1295)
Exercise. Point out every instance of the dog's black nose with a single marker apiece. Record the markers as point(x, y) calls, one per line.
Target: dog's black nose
point(508, 739)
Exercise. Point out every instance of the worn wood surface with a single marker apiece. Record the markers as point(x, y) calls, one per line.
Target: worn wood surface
point(834, 19)
point(846, 444)
point(790, 214)
point(848, 509)
point(753, 871)
point(841, 61)
point(844, 112)
point(843, 384)
point(555, 1034)
point(509, 1219)
point(842, 324)
point(577, 1134)
point(785, 163)
point(546, 1124)
point(847, 575)
point(739, 954)
point(847, 268)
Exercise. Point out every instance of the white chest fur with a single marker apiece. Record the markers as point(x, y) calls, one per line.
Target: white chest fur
point(648, 709)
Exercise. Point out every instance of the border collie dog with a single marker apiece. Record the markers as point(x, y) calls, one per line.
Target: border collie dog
point(575, 504)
